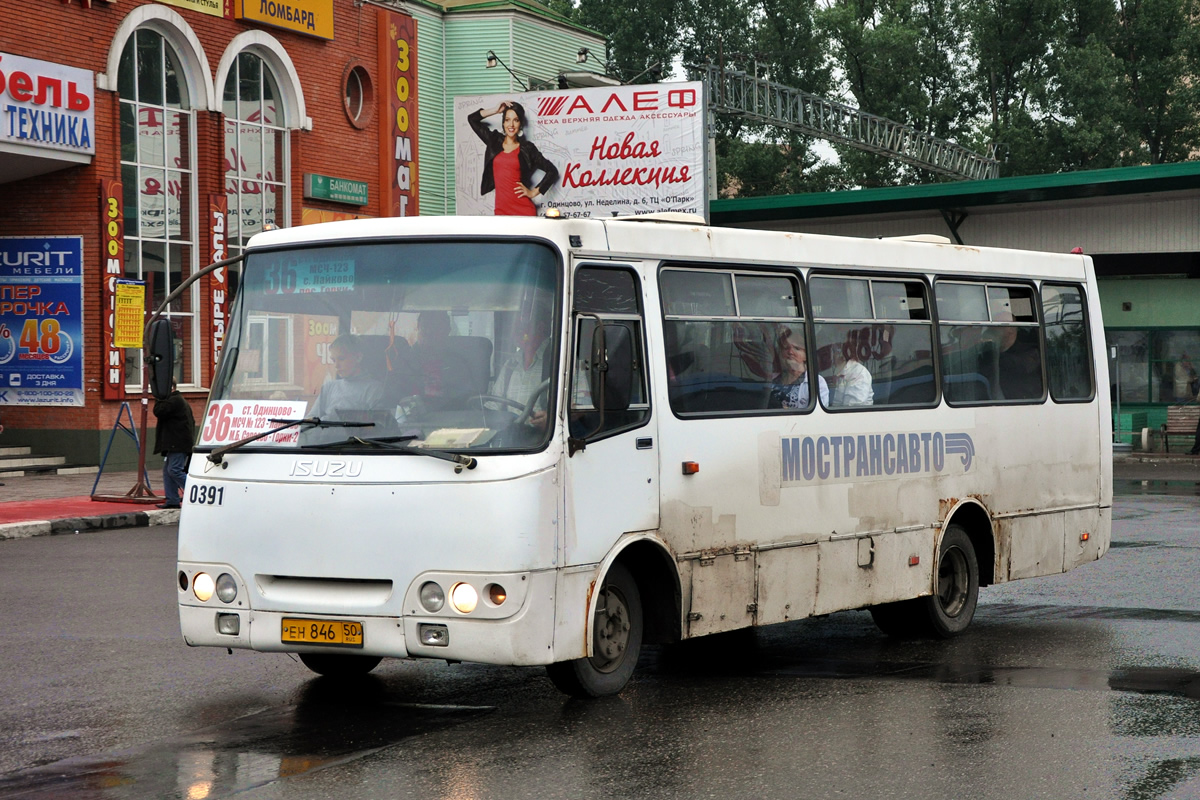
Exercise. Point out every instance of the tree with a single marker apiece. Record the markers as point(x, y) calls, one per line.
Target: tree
point(1158, 44)
point(643, 35)
point(1084, 94)
point(899, 59)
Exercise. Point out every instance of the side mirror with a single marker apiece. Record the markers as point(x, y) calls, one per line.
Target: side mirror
point(161, 357)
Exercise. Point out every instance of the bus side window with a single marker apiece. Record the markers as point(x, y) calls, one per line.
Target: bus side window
point(613, 295)
point(874, 341)
point(990, 343)
point(722, 331)
point(1068, 349)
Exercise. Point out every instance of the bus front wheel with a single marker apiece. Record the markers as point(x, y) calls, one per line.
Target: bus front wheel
point(339, 665)
point(616, 641)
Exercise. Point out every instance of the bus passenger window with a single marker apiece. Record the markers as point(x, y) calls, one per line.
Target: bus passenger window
point(874, 341)
point(1068, 349)
point(723, 333)
point(990, 343)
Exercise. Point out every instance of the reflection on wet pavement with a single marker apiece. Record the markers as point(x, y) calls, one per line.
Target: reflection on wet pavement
point(330, 725)
point(1128, 487)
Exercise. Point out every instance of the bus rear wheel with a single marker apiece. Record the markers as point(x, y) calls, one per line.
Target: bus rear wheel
point(951, 607)
point(339, 665)
point(949, 610)
point(616, 641)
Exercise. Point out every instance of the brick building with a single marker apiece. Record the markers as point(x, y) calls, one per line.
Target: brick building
point(142, 141)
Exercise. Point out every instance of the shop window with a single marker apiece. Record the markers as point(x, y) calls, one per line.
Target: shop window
point(256, 152)
point(157, 146)
point(1154, 366)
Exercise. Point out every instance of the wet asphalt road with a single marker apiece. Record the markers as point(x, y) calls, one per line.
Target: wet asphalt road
point(1085, 685)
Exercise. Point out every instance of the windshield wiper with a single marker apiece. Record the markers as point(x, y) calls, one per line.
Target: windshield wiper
point(218, 456)
point(380, 441)
point(401, 443)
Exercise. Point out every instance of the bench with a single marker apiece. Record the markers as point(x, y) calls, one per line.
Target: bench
point(1181, 421)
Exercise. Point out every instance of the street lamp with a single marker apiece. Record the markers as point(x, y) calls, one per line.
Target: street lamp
point(493, 60)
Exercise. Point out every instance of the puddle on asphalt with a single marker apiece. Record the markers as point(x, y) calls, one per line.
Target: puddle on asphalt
point(1141, 680)
point(1125, 486)
point(328, 726)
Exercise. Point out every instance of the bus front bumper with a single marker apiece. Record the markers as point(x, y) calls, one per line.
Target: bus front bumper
point(526, 638)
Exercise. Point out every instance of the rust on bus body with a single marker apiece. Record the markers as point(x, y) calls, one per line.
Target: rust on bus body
point(589, 620)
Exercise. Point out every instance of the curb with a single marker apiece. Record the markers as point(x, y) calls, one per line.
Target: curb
point(72, 525)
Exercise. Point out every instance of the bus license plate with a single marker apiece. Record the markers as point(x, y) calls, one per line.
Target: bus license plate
point(332, 632)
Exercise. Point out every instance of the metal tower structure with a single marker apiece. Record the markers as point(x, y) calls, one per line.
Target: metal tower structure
point(736, 92)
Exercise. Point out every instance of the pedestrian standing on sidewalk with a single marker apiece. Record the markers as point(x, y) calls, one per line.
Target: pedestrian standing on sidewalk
point(173, 438)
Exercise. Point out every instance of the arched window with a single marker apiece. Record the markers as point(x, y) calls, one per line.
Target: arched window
point(157, 154)
point(256, 164)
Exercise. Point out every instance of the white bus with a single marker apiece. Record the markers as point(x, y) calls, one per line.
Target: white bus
point(550, 441)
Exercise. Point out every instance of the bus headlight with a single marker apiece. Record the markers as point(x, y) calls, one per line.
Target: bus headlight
point(226, 587)
point(203, 586)
point(464, 598)
point(432, 597)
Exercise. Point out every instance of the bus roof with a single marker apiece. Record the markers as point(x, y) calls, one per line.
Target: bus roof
point(687, 238)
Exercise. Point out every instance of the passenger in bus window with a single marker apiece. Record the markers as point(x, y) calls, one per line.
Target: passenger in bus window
point(853, 385)
point(352, 389)
point(526, 371)
point(791, 383)
point(431, 369)
point(1020, 360)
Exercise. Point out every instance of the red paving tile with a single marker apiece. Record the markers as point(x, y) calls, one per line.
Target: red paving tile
point(63, 508)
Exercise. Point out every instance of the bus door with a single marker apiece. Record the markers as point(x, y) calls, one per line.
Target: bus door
point(612, 472)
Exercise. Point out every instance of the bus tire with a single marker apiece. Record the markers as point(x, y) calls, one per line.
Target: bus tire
point(616, 642)
point(339, 665)
point(949, 610)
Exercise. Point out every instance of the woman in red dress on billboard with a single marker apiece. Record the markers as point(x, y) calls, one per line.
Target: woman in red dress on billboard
point(510, 161)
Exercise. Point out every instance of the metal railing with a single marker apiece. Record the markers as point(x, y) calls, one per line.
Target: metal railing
point(736, 92)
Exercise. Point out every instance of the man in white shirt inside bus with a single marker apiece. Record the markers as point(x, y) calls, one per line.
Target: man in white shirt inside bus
point(527, 369)
point(853, 385)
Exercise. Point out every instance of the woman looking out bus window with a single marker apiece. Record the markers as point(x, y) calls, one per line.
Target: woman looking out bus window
point(791, 384)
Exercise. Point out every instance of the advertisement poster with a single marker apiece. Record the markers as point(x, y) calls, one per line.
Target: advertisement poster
point(233, 420)
point(398, 63)
point(130, 318)
point(596, 152)
point(41, 321)
point(47, 107)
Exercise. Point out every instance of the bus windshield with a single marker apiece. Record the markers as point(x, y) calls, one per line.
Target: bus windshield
point(438, 344)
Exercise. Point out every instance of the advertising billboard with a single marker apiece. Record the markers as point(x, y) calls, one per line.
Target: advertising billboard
point(399, 146)
point(41, 321)
point(593, 152)
point(46, 108)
